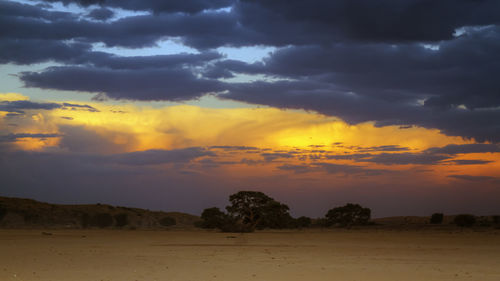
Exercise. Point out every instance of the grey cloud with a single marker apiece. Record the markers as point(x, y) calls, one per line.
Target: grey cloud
point(271, 156)
point(101, 14)
point(146, 84)
point(15, 9)
point(356, 60)
point(19, 106)
point(158, 157)
point(331, 168)
point(453, 149)
point(30, 51)
point(405, 159)
point(472, 178)
point(383, 148)
point(470, 162)
point(386, 20)
point(14, 137)
point(156, 6)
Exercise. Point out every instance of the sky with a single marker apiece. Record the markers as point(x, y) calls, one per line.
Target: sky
point(175, 105)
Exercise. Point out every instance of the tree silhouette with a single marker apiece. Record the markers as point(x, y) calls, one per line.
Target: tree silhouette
point(465, 220)
point(251, 209)
point(213, 218)
point(437, 218)
point(348, 215)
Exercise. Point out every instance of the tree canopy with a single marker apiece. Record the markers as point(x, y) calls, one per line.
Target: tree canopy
point(348, 215)
point(255, 209)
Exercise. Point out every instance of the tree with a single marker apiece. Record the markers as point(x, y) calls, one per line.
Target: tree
point(437, 218)
point(465, 220)
point(275, 215)
point(303, 222)
point(253, 208)
point(213, 218)
point(348, 215)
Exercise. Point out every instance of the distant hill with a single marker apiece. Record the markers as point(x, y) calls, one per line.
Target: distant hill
point(27, 213)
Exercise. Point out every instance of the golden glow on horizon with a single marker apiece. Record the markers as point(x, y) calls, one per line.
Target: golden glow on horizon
point(136, 128)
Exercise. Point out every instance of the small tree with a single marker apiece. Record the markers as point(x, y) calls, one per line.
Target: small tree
point(437, 218)
point(213, 218)
point(465, 220)
point(303, 222)
point(348, 215)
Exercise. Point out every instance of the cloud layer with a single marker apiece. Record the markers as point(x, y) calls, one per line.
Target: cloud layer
point(432, 64)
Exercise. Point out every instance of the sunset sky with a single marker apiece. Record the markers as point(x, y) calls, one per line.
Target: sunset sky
point(175, 105)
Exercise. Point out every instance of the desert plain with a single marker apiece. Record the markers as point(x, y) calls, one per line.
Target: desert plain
point(312, 254)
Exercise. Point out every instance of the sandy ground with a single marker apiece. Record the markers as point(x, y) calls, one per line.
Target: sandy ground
point(298, 255)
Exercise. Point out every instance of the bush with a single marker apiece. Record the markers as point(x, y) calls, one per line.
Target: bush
point(85, 220)
point(31, 218)
point(213, 218)
point(496, 219)
point(437, 218)
point(465, 220)
point(121, 219)
point(348, 215)
point(102, 220)
point(168, 221)
point(3, 213)
point(302, 222)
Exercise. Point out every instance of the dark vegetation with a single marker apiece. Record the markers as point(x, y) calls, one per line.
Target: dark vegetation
point(168, 221)
point(121, 219)
point(27, 213)
point(250, 210)
point(437, 218)
point(247, 211)
point(101, 220)
point(465, 220)
point(348, 215)
point(3, 212)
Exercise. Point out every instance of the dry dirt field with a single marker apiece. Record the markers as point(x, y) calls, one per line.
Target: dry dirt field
point(94, 255)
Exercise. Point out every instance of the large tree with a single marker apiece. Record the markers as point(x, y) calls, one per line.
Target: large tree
point(348, 215)
point(254, 208)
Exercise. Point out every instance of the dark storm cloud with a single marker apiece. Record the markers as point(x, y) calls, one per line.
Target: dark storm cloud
point(156, 6)
point(424, 63)
point(30, 51)
point(383, 20)
point(101, 14)
point(146, 84)
point(431, 156)
point(453, 149)
point(14, 9)
point(19, 106)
